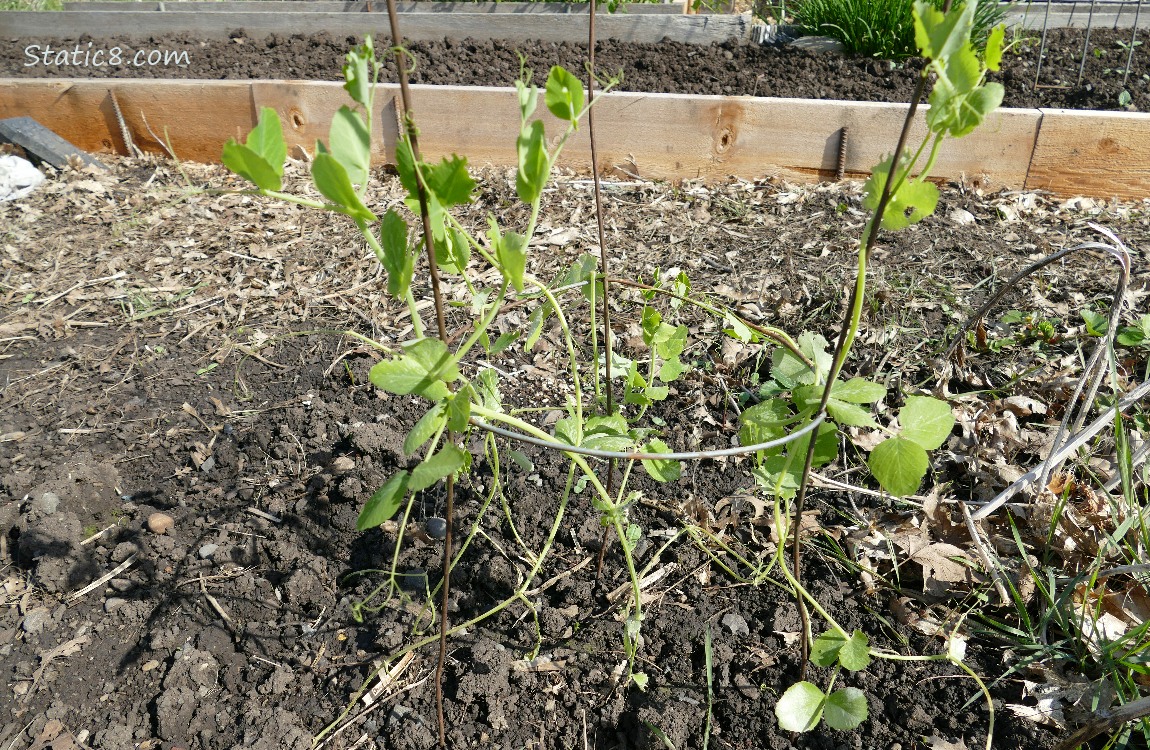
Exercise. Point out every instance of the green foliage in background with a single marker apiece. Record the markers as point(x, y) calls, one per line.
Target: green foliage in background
point(882, 28)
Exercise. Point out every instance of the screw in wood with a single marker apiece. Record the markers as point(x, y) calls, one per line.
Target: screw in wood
point(841, 166)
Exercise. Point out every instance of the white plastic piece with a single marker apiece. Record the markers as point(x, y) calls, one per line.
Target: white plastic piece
point(18, 177)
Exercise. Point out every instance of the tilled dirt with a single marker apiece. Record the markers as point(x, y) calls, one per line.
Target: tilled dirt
point(730, 68)
point(182, 354)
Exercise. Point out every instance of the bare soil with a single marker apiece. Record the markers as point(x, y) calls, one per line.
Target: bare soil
point(163, 351)
point(731, 68)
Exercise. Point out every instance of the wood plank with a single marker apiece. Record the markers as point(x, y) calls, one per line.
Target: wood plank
point(671, 136)
point(361, 6)
point(199, 116)
point(658, 136)
point(1100, 154)
point(527, 26)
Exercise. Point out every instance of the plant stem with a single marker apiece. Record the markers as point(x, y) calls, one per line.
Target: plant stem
point(604, 271)
point(842, 349)
point(429, 248)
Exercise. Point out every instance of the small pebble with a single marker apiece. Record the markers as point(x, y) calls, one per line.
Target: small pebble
point(342, 465)
point(111, 604)
point(48, 502)
point(36, 619)
point(150, 665)
point(160, 523)
point(436, 527)
point(21, 688)
point(208, 550)
point(736, 624)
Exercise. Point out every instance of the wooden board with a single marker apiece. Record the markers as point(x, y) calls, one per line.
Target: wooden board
point(657, 136)
point(199, 116)
point(523, 27)
point(361, 6)
point(1099, 154)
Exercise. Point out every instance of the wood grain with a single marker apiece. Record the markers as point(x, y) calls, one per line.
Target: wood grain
point(361, 6)
point(258, 24)
point(1099, 154)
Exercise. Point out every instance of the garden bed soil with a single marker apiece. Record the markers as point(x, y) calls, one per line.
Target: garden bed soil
point(732, 68)
point(181, 354)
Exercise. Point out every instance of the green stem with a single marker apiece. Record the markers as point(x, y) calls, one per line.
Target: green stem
point(409, 297)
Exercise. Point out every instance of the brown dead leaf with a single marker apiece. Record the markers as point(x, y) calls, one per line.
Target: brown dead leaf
point(938, 743)
point(946, 569)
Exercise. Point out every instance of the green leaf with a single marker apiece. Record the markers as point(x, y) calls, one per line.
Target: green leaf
point(899, 465)
point(422, 370)
point(251, 166)
point(825, 649)
point(650, 322)
point(534, 163)
point(459, 409)
point(396, 259)
point(488, 390)
point(800, 707)
point(850, 415)
point(358, 74)
point(858, 391)
point(1096, 323)
point(384, 503)
point(564, 95)
point(855, 653)
point(452, 251)
point(778, 478)
point(503, 341)
point(738, 329)
point(852, 653)
point(331, 179)
point(815, 347)
point(528, 99)
point(267, 140)
point(350, 144)
point(671, 369)
point(569, 430)
point(939, 35)
point(608, 433)
point(511, 252)
point(405, 167)
point(661, 471)
point(846, 708)
point(450, 182)
point(926, 421)
point(640, 680)
point(428, 425)
point(763, 422)
point(910, 202)
point(448, 460)
point(993, 54)
point(788, 370)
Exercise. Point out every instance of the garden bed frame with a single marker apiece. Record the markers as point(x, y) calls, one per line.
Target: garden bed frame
point(655, 136)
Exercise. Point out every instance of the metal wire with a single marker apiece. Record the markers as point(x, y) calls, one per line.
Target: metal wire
point(637, 456)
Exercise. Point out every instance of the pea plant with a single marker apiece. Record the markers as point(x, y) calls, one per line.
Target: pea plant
point(898, 194)
point(794, 426)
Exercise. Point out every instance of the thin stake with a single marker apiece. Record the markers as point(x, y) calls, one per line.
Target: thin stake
point(604, 270)
point(1133, 39)
point(429, 248)
point(1085, 42)
point(1042, 47)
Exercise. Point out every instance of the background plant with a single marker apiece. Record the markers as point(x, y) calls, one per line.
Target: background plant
point(882, 28)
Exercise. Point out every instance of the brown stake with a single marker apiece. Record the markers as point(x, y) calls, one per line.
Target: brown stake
point(604, 271)
point(429, 248)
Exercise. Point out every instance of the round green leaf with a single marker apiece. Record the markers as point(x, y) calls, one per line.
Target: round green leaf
point(661, 471)
point(926, 421)
point(899, 465)
point(855, 653)
point(846, 709)
point(801, 707)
